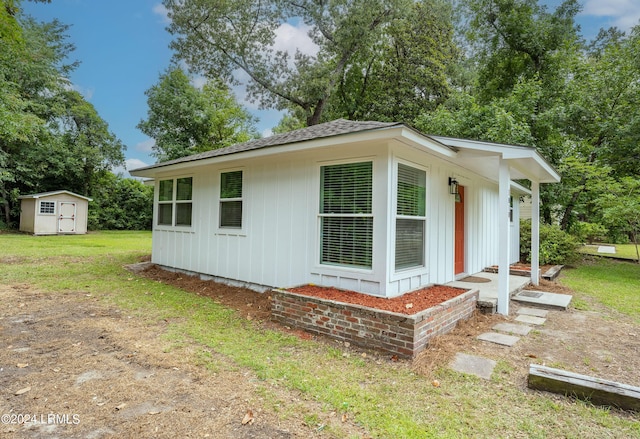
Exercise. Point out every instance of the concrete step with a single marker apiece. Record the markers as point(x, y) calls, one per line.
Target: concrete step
point(511, 328)
point(473, 365)
point(537, 312)
point(531, 320)
point(543, 299)
point(501, 339)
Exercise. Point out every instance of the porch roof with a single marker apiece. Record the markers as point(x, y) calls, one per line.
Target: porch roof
point(483, 158)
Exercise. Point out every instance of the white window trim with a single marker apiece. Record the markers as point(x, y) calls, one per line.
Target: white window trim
point(55, 208)
point(403, 273)
point(231, 231)
point(337, 269)
point(174, 202)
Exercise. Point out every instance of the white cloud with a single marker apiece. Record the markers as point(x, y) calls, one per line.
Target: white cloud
point(86, 92)
point(268, 132)
point(129, 164)
point(198, 81)
point(135, 163)
point(145, 145)
point(623, 13)
point(290, 38)
point(161, 10)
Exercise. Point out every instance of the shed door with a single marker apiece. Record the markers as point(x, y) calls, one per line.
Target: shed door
point(67, 217)
point(459, 233)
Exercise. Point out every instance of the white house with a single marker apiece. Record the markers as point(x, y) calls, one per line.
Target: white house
point(373, 207)
point(51, 213)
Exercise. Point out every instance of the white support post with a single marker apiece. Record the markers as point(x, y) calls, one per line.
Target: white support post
point(504, 232)
point(535, 232)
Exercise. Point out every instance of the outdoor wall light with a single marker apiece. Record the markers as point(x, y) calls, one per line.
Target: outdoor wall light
point(454, 189)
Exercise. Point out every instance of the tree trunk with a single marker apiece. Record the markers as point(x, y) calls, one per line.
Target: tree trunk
point(583, 182)
point(6, 207)
point(314, 119)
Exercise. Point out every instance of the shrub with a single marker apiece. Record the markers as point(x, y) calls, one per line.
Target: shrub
point(590, 232)
point(556, 245)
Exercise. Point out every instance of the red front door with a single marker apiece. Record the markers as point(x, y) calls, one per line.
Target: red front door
point(459, 233)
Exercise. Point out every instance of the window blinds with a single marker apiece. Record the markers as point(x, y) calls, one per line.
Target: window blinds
point(346, 214)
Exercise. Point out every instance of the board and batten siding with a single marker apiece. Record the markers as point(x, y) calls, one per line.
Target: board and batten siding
point(279, 242)
point(278, 245)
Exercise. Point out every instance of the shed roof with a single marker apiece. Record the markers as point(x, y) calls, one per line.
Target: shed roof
point(48, 194)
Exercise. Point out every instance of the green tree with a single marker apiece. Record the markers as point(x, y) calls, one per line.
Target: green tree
point(602, 116)
point(31, 78)
point(404, 74)
point(50, 137)
point(619, 202)
point(516, 40)
point(121, 204)
point(219, 38)
point(184, 120)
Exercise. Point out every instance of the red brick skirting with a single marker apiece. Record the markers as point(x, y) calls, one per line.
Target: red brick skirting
point(394, 333)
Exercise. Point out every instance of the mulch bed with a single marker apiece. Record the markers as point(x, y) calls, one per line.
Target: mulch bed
point(410, 303)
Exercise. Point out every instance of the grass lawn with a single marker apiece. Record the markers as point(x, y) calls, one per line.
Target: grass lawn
point(613, 283)
point(624, 251)
point(388, 399)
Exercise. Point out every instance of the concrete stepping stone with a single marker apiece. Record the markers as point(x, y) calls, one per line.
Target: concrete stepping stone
point(537, 312)
point(543, 299)
point(473, 365)
point(531, 320)
point(512, 328)
point(502, 339)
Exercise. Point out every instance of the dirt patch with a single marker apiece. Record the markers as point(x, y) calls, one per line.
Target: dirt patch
point(598, 342)
point(71, 367)
point(249, 304)
point(70, 356)
point(410, 303)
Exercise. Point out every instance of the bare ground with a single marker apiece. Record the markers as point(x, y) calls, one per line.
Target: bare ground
point(73, 355)
point(106, 374)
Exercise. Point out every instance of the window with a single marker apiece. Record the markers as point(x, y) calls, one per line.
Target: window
point(346, 219)
point(410, 217)
point(175, 196)
point(231, 200)
point(47, 207)
point(511, 209)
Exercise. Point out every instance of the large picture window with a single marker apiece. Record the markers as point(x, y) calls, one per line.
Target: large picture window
point(346, 218)
point(175, 196)
point(410, 217)
point(231, 200)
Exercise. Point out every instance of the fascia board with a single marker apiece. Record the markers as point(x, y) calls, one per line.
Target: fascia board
point(399, 133)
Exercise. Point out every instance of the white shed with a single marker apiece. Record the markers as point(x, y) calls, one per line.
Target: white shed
point(374, 207)
point(51, 213)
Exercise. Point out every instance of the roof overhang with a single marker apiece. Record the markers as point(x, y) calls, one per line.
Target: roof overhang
point(482, 158)
point(400, 133)
point(49, 194)
point(525, 162)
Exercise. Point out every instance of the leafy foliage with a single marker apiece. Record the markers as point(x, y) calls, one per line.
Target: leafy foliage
point(556, 245)
point(185, 120)
point(620, 206)
point(121, 204)
point(51, 138)
point(361, 46)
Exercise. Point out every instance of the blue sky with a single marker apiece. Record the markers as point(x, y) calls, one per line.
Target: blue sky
point(123, 48)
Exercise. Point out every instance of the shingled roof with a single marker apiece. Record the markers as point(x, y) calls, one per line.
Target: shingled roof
point(329, 129)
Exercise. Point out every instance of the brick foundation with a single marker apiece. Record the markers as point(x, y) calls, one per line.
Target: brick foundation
point(400, 334)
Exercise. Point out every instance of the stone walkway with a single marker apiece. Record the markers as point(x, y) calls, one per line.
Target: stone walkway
point(508, 334)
